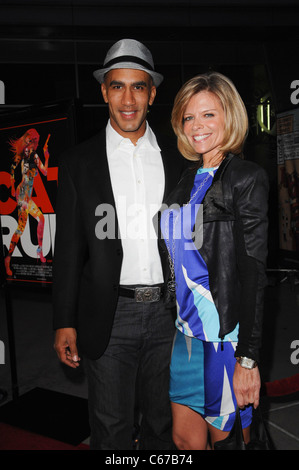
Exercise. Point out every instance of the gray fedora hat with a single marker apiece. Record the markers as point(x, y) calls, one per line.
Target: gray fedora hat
point(129, 54)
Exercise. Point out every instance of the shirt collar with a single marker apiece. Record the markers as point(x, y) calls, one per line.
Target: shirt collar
point(115, 140)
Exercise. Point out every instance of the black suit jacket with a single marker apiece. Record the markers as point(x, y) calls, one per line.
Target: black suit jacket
point(86, 269)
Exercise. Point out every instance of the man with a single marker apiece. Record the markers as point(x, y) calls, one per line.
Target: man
point(110, 187)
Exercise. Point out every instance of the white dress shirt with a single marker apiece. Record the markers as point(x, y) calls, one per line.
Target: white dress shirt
point(137, 176)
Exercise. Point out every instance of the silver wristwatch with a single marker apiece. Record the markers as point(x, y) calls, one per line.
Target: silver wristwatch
point(246, 362)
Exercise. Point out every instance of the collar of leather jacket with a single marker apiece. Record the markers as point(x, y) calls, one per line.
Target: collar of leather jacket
point(181, 194)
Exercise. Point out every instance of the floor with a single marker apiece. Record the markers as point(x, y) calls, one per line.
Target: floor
point(38, 370)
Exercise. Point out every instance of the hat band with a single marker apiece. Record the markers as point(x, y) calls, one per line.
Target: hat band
point(129, 58)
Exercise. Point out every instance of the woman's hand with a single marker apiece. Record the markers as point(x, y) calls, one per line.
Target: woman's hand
point(247, 384)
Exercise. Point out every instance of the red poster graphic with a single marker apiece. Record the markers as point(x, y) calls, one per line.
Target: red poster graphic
point(29, 163)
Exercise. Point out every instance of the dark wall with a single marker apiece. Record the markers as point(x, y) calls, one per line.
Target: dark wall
point(49, 49)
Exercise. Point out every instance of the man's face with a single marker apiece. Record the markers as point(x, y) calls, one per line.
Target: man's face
point(128, 93)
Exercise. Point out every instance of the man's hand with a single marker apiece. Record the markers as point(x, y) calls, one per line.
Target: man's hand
point(66, 347)
point(247, 384)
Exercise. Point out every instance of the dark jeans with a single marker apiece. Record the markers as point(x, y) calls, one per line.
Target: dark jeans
point(134, 371)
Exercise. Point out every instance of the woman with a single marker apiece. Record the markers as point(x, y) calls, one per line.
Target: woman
point(24, 150)
point(215, 229)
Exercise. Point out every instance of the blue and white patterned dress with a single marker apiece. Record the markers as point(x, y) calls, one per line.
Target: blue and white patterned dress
point(201, 368)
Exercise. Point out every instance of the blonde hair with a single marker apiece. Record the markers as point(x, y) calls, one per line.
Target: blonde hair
point(236, 119)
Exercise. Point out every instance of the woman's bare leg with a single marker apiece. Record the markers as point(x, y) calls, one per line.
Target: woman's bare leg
point(190, 431)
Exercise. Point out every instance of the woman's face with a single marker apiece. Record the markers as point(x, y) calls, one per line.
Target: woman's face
point(204, 124)
point(31, 139)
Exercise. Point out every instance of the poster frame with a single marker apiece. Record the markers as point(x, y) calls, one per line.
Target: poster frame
point(288, 258)
point(28, 117)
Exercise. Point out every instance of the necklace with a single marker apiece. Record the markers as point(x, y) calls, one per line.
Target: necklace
point(171, 284)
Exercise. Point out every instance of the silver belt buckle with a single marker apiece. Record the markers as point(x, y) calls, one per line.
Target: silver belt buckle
point(147, 294)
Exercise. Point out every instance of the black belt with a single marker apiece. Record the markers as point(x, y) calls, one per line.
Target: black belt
point(142, 293)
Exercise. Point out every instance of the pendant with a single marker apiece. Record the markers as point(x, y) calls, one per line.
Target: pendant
point(171, 286)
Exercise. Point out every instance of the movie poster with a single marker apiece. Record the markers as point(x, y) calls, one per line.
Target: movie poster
point(29, 158)
point(288, 179)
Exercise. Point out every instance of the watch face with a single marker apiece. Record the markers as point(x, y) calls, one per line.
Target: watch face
point(248, 363)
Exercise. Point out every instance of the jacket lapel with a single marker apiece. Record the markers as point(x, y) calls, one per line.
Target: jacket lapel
point(99, 169)
point(100, 186)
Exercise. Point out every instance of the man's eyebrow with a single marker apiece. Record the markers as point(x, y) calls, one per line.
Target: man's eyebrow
point(115, 82)
point(119, 83)
point(141, 83)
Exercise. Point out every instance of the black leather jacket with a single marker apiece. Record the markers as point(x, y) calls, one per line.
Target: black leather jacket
point(234, 245)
